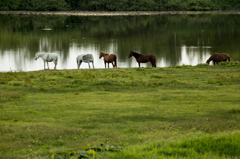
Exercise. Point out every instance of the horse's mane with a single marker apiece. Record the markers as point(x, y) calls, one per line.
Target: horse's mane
point(104, 53)
point(135, 52)
point(41, 54)
point(213, 55)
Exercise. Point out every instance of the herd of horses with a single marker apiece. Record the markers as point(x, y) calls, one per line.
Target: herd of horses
point(112, 58)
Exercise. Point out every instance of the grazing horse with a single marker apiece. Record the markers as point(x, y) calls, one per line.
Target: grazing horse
point(112, 58)
point(143, 58)
point(218, 58)
point(48, 57)
point(84, 58)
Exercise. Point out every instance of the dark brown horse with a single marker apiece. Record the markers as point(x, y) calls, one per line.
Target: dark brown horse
point(112, 58)
point(143, 58)
point(218, 58)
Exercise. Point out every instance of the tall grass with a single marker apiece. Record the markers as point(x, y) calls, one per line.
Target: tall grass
point(202, 146)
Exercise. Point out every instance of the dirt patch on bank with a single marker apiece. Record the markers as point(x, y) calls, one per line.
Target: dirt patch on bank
point(123, 13)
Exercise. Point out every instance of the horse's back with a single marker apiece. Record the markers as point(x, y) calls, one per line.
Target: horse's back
point(87, 57)
point(51, 57)
point(112, 57)
point(79, 57)
point(223, 57)
point(224, 54)
point(146, 58)
point(152, 56)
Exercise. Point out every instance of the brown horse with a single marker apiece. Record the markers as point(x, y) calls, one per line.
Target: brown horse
point(218, 58)
point(112, 58)
point(143, 58)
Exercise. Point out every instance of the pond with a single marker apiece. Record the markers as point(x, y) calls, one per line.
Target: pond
point(177, 39)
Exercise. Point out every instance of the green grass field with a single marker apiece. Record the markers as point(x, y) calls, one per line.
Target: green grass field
point(174, 112)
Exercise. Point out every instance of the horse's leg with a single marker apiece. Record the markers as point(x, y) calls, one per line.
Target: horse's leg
point(108, 64)
point(89, 65)
point(79, 64)
point(113, 64)
point(138, 64)
point(55, 64)
point(47, 65)
point(153, 64)
point(92, 64)
point(105, 64)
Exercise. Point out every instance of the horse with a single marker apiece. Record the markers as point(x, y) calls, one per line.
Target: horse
point(84, 58)
point(143, 58)
point(218, 58)
point(112, 58)
point(48, 57)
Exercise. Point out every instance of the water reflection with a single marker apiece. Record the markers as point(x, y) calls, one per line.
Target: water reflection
point(18, 61)
point(173, 39)
point(188, 55)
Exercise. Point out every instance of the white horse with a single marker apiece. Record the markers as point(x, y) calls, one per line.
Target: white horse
point(48, 57)
point(84, 58)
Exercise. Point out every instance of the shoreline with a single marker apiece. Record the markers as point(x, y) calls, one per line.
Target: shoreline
point(116, 13)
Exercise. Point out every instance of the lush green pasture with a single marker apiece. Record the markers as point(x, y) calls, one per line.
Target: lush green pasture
point(174, 112)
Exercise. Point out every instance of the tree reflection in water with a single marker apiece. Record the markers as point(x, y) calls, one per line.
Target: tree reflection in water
point(173, 39)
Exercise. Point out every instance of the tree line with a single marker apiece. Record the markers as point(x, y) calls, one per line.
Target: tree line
point(118, 5)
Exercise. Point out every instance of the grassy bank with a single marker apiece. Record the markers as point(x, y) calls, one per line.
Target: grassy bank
point(180, 111)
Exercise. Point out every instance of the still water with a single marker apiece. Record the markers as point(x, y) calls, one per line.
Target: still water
point(173, 39)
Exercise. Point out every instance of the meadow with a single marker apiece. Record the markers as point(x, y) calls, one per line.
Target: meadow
point(171, 112)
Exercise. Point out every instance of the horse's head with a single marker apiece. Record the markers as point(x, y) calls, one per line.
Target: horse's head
point(130, 54)
point(36, 56)
point(208, 61)
point(101, 54)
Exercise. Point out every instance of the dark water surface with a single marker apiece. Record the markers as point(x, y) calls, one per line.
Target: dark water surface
point(173, 39)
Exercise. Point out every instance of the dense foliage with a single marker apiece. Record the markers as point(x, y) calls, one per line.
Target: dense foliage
point(119, 5)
